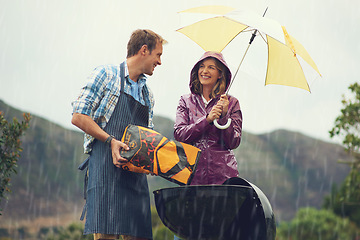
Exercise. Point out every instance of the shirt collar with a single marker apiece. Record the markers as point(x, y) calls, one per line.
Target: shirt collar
point(142, 77)
point(204, 100)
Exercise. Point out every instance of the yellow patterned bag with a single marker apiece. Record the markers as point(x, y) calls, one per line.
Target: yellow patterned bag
point(151, 152)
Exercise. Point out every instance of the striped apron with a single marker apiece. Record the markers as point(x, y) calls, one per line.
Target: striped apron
point(117, 201)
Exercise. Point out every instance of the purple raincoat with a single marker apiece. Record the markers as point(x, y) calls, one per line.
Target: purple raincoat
point(217, 162)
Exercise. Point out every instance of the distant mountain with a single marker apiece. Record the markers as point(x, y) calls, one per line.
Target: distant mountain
point(48, 181)
point(293, 170)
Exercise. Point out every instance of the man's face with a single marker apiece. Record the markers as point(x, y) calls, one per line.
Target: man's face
point(153, 59)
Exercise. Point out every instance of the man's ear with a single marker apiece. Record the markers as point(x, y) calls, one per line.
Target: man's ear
point(143, 50)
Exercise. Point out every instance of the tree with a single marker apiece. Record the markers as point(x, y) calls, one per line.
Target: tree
point(313, 224)
point(10, 148)
point(347, 126)
point(336, 202)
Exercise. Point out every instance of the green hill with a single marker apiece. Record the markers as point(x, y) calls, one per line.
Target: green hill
point(47, 181)
point(292, 169)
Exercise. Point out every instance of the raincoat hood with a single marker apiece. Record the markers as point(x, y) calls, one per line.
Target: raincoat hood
point(219, 57)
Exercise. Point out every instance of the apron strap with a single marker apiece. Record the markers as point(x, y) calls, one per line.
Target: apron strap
point(122, 76)
point(84, 166)
point(145, 90)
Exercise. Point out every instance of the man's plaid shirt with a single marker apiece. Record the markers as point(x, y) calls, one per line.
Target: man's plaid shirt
point(99, 97)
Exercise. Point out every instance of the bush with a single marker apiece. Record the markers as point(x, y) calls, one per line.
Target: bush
point(10, 148)
point(312, 224)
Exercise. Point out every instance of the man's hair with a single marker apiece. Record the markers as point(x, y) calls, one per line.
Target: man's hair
point(142, 37)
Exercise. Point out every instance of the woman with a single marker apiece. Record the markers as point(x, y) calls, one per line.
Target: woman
point(209, 79)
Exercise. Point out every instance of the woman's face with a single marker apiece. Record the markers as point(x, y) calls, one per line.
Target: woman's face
point(208, 73)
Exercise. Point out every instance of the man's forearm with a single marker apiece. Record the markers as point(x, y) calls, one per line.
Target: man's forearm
point(89, 126)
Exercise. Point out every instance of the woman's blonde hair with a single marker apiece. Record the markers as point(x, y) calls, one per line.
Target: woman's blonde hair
point(220, 85)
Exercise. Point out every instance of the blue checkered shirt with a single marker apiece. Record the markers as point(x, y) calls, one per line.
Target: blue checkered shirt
point(99, 97)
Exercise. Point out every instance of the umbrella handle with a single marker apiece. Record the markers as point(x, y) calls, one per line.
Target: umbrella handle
point(222, 126)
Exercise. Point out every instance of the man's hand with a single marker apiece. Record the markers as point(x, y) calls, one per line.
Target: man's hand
point(116, 147)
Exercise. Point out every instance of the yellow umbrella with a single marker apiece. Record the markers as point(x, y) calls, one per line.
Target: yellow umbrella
point(211, 9)
point(286, 56)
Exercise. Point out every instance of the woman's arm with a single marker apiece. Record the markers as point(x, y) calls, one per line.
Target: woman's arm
point(184, 130)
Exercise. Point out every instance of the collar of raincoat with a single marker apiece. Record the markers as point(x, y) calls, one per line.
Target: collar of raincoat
point(219, 57)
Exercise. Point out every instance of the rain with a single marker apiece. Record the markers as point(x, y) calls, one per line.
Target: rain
point(49, 48)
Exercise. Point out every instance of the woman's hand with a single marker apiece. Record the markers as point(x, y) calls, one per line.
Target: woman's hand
point(215, 113)
point(224, 103)
point(220, 109)
point(116, 147)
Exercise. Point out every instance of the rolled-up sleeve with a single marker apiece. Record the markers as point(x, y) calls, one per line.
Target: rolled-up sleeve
point(91, 94)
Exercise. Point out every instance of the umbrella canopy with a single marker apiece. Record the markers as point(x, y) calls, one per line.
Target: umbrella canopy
point(211, 9)
point(286, 56)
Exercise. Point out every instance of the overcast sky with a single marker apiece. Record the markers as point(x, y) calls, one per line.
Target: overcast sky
point(49, 47)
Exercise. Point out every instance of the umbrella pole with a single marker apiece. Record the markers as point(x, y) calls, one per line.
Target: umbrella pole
point(251, 40)
point(229, 119)
point(232, 80)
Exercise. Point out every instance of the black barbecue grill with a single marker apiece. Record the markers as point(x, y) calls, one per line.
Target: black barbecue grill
point(235, 210)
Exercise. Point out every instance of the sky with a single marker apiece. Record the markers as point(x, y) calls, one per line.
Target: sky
point(49, 47)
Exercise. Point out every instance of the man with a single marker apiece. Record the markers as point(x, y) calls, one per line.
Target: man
point(117, 201)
